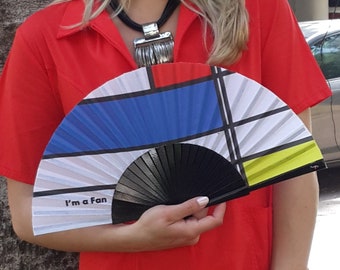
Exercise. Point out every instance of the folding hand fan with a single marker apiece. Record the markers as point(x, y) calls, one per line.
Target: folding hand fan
point(164, 134)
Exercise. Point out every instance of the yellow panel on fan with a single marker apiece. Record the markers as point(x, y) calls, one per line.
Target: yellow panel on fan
point(269, 166)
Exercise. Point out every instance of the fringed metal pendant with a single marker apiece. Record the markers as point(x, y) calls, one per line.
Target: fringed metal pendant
point(154, 47)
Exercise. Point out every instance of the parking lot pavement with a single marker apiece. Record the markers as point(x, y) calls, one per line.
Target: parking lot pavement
point(325, 253)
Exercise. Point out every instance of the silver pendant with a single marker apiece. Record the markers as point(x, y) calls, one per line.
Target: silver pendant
point(154, 47)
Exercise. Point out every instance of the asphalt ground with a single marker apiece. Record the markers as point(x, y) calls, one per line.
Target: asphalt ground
point(325, 253)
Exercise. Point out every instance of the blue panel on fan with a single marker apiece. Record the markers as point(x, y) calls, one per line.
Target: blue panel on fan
point(138, 121)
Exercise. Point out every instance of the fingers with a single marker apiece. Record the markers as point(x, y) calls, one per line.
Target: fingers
point(201, 214)
point(163, 227)
point(186, 209)
point(199, 220)
point(209, 222)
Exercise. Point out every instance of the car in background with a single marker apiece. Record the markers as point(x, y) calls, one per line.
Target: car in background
point(323, 38)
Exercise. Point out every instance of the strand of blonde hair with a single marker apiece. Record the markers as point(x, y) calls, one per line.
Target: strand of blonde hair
point(228, 20)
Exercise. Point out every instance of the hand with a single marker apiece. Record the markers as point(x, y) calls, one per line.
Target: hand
point(161, 227)
point(164, 227)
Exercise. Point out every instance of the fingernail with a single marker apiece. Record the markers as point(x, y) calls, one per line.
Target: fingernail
point(203, 201)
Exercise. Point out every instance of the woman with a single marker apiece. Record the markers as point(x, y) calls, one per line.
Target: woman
point(63, 52)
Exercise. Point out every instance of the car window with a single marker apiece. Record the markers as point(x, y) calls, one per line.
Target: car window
point(327, 54)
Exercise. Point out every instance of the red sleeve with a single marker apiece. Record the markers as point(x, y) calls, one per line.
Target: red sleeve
point(29, 110)
point(288, 66)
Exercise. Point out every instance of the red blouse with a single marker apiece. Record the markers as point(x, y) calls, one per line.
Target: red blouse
point(51, 68)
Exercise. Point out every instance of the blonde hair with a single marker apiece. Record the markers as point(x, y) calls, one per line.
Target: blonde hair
point(228, 20)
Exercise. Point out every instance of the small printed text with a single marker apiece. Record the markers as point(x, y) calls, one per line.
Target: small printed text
point(92, 200)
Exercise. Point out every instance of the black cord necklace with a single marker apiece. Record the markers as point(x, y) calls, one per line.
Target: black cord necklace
point(167, 12)
point(154, 47)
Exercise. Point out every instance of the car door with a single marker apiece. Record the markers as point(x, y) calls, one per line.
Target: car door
point(326, 116)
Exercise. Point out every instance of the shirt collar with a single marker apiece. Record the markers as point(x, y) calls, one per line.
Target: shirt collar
point(74, 12)
point(72, 16)
point(103, 25)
